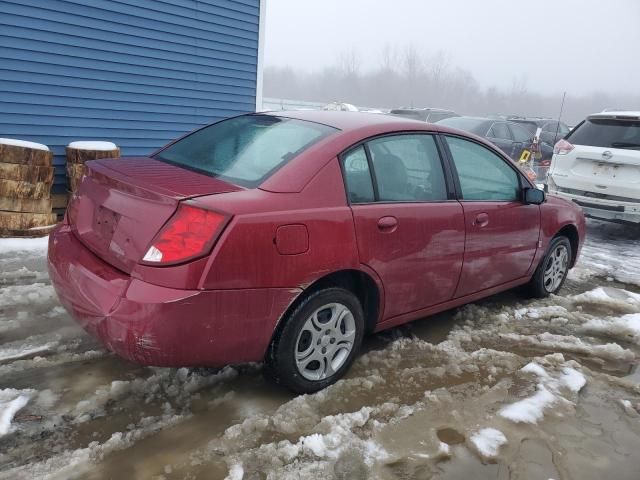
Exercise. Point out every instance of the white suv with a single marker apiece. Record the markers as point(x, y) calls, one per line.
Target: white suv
point(597, 165)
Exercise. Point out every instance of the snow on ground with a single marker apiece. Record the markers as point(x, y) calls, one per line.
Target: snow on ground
point(505, 384)
point(611, 254)
point(548, 392)
point(35, 245)
point(11, 401)
point(488, 442)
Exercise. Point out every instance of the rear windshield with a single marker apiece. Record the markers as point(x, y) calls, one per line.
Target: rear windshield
point(244, 150)
point(608, 133)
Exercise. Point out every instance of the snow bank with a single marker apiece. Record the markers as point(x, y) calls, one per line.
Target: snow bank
point(38, 245)
point(548, 391)
point(488, 442)
point(625, 326)
point(339, 436)
point(610, 296)
point(93, 145)
point(23, 143)
point(11, 401)
point(570, 343)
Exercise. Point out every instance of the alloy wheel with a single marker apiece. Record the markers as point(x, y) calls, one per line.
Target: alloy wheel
point(556, 268)
point(325, 341)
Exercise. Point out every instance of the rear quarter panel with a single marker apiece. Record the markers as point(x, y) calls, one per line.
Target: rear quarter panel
point(246, 256)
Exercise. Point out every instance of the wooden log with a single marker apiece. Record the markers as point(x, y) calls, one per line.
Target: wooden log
point(23, 190)
point(43, 205)
point(24, 155)
point(79, 156)
point(75, 172)
point(30, 232)
point(26, 224)
point(26, 173)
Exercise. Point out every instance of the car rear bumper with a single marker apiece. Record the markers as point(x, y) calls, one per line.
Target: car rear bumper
point(154, 325)
point(604, 209)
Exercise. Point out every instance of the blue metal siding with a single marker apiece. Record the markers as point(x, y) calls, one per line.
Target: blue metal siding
point(135, 72)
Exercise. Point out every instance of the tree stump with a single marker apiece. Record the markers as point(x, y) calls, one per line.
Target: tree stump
point(26, 175)
point(16, 224)
point(78, 153)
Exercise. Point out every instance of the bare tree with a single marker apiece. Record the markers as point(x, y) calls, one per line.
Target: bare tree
point(407, 76)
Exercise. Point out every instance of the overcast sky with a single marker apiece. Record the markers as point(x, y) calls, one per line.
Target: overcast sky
point(579, 46)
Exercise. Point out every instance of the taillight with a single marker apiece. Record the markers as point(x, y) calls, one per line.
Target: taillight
point(189, 234)
point(562, 147)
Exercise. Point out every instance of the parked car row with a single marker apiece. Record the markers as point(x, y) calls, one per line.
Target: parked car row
point(510, 137)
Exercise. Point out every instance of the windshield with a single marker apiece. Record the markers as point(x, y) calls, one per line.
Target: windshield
point(607, 133)
point(473, 125)
point(244, 150)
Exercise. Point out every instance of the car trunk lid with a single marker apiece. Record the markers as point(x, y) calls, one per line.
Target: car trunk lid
point(122, 204)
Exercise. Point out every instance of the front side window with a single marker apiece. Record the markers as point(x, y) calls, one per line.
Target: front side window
point(407, 168)
point(245, 150)
point(358, 176)
point(483, 174)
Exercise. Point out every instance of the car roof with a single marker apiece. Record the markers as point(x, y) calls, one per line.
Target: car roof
point(348, 120)
point(617, 114)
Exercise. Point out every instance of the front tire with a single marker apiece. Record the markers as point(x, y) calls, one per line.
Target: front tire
point(318, 341)
point(553, 269)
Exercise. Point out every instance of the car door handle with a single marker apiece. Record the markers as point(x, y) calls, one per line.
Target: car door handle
point(387, 224)
point(482, 220)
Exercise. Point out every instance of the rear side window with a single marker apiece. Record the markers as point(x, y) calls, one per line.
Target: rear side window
point(483, 175)
point(244, 150)
point(407, 168)
point(358, 176)
point(607, 133)
point(500, 130)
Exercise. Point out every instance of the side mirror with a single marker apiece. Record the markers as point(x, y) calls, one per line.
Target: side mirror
point(534, 196)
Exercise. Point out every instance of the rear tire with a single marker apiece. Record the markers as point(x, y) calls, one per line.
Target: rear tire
point(552, 270)
point(317, 342)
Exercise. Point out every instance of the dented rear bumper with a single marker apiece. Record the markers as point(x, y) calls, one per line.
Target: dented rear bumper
point(154, 325)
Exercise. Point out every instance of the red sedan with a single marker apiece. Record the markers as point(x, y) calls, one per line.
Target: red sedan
point(286, 237)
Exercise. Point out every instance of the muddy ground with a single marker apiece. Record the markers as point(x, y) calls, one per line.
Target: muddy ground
point(507, 388)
